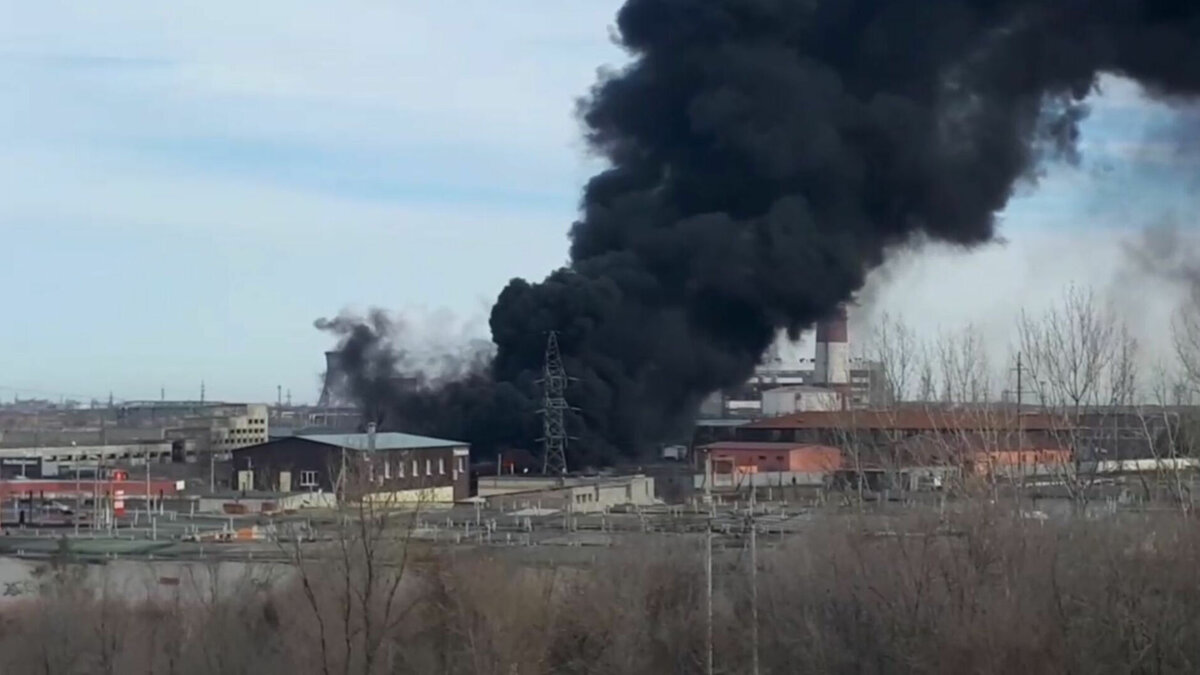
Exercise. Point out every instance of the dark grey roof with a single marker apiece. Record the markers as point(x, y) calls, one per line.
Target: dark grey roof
point(390, 440)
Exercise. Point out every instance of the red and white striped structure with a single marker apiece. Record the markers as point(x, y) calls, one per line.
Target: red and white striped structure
point(832, 357)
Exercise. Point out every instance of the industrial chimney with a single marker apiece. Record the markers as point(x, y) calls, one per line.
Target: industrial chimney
point(832, 358)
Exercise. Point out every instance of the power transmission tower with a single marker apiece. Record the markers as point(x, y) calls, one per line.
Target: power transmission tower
point(554, 407)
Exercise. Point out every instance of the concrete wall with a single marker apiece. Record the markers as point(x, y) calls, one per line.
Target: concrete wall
point(1144, 465)
point(414, 497)
point(137, 581)
point(772, 479)
point(488, 486)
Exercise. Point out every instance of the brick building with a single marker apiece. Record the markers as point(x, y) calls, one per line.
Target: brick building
point(403, 466)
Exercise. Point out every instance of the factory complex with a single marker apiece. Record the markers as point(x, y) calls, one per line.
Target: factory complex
point(799, 429)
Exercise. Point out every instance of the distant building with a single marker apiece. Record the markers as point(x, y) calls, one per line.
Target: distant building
point(800, 398)
point(987, 440)
point(220, 429)
point(406, 467)
point(90, 435)
point(52, 461)
point(758, 457)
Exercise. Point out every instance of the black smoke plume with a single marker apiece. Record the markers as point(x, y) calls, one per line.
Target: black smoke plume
point(763, 154)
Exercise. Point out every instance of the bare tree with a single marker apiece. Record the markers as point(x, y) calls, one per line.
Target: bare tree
point(893, 345)
point(1082, 362)
point(964, 366)
point(1069, 348)
point(352, 581)
point(1185, 334)
point(1162, 431)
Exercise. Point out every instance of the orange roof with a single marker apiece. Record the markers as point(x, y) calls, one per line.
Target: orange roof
point(912, 420)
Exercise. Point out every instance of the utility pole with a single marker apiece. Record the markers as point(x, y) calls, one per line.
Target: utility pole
point(1020, 372)
point(1020, 419)
point(78, 497)
point(147, 456)
point(753, 581)
point(96, 490)
point(708, 599)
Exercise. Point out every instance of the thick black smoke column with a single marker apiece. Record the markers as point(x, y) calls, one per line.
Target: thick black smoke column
point(764, 153)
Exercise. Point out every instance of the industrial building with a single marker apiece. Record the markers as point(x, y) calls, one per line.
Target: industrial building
point(578, 494)
point(785, 382)
point(726, 464)
point(54, 461)
point(401, 466)
point(800, 398)
point(219, 429)
point(983, 441)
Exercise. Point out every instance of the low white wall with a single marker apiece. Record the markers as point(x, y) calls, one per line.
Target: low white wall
point(138, 581)
point(765, 479)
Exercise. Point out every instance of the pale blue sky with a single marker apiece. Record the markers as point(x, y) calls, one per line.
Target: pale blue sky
point(185, 186)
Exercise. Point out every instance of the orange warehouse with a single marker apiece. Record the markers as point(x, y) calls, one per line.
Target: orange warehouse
point(763, 457)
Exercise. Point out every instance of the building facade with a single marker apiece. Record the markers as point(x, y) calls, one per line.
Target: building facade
point(399, 466)
point(220, 429)
point(53, 461)
point(577, 494)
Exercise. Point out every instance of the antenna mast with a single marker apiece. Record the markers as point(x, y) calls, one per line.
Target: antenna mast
point(554, 406)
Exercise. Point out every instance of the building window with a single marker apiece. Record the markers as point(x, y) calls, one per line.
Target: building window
point(400, 469)
point(441, 467)
point(387, 469)
point(462, 464)
point(428, 467)
point(308, 479)
point(416, 469)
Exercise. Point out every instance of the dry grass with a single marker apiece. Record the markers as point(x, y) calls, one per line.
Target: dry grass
point(997, 595)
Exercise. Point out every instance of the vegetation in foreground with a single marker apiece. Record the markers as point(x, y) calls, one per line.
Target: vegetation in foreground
point(986, 592)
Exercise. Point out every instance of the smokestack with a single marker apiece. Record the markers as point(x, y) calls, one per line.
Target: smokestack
point(832, 361)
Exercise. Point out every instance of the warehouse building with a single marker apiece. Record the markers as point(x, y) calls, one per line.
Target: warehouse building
point(399, 466)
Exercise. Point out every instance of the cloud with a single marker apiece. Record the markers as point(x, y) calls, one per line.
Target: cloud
point(195, 182)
